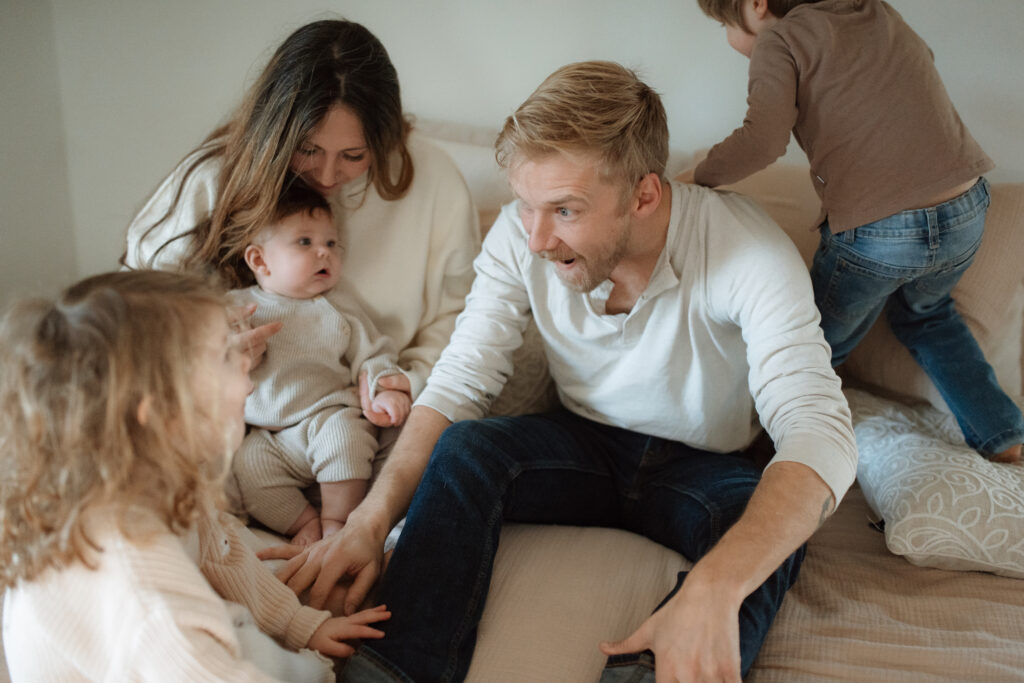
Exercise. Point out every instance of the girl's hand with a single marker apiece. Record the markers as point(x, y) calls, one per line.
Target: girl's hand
point(252, 341)
point(330, 638)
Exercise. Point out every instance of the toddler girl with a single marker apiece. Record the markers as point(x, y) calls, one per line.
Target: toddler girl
point(119, 405)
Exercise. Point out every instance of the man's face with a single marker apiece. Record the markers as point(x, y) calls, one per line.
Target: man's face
point(574, 218)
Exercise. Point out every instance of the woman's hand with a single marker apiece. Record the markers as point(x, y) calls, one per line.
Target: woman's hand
point(252, 341)
point(330, 638)
point(378, 413)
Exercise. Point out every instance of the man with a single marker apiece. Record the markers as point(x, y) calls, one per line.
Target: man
point(669, 313)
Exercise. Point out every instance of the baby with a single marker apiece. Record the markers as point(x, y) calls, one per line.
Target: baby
point(305, 411)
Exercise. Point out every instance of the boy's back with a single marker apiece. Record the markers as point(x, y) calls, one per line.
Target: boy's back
point(859, 90)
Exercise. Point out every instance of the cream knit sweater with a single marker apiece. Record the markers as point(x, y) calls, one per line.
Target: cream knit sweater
point(152, 610)
point(408, 263)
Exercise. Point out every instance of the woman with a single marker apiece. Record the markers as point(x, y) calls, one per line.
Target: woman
point(327, 108)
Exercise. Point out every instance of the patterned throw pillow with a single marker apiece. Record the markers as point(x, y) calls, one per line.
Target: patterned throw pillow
point(944, 505)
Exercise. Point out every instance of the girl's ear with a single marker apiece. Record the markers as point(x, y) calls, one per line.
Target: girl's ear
point(142, 412)
point(254, 259)
point(760, 8)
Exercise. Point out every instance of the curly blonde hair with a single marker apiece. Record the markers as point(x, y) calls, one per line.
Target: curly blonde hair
point(76, 374)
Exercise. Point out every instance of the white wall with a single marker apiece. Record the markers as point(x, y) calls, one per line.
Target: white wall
point(142, 81)
point(37, 247)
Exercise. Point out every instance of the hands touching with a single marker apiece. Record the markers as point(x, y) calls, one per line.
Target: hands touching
point(391, 405)
point(330, 639)
point(351, 553)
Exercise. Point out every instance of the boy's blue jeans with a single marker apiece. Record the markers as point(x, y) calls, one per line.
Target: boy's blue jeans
point(554, 468)
point(911, 261)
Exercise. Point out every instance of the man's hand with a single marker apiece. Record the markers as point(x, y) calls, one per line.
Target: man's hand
point(330, 638)
point(694, 637)
point(378, 413)
point(252, 341)
point(350, 552)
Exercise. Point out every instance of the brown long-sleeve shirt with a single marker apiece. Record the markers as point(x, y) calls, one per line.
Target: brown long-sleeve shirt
point(860, 92)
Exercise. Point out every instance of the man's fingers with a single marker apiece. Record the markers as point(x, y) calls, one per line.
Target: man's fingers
point(324, 584)
point(637, 642)
point(360, 587)
point(396, 382)
point(280, 552)
point(364, 394)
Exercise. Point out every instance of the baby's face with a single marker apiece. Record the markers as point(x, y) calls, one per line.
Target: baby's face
point(302, 257)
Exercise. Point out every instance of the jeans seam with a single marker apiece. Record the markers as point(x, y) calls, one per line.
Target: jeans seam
point(383, 665)
point(466, 624)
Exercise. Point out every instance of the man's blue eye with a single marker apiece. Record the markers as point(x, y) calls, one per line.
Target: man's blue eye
point(564, 212)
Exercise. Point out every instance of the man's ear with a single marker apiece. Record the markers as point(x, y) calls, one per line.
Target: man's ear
point(254, 259)
point(647, 195)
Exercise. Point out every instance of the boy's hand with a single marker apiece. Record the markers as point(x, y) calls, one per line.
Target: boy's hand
point(330, 638)
point(377, 413)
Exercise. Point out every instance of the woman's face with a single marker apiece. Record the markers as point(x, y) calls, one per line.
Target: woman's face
point(334, 154)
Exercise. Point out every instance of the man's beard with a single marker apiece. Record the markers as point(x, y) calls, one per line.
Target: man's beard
point(589, 272)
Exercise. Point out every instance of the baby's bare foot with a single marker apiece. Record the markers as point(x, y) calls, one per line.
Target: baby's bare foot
point(1010, 455)
point(309, 533)
point(331, 526)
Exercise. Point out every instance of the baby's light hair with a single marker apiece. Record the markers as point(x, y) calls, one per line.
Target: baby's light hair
point(75, 376)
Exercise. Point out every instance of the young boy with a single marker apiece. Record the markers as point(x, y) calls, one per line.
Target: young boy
point(899, 176)
point(308, 426)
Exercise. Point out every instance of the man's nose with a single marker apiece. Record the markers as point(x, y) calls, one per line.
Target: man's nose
point(540, 228)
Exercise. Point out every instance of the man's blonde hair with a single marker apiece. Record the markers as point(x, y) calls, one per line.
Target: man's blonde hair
point(593, 107)
point(75, 376)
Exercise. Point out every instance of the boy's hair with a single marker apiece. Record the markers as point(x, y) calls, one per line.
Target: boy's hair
point(730, 12)
point(298, 197)
point(75, 375)
point(591, 107)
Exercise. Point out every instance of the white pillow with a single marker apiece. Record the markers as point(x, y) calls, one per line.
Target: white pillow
point(943, 504)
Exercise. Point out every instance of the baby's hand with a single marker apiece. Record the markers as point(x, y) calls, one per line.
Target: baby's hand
point(330, 638)
point(389, 408)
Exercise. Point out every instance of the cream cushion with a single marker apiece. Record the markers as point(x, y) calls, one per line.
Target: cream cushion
point(944, 505)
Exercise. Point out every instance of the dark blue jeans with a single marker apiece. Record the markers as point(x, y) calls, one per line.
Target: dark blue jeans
point(552, 468)
point(907, 264)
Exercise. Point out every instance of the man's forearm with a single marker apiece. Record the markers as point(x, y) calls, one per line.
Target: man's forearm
point(391, 493)
point(788, 505)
